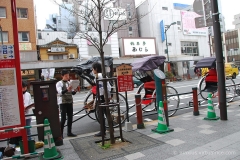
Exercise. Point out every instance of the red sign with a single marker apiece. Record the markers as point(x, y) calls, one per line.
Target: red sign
point(125, 80)
point(125, 83)
point(7, 63)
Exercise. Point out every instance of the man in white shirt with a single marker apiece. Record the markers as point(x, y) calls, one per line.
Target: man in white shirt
point(27, 102)
point(65, 101)
point(97, 71)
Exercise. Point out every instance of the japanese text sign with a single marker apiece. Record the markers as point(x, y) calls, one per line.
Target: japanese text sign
point(124, 78)
point(141, 46)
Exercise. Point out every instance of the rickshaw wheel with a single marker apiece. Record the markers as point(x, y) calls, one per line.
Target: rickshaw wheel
point(172, 100)
point(89, 99)
point(148, 105)
point(230, 89)
point(202, 86)
point(114, 111)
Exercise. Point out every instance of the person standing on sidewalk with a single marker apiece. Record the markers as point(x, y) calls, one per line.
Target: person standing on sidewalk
point(65, 101)
point(27, 103)
point(97, 71)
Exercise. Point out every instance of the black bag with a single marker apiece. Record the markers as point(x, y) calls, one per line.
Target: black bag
point(15, 140)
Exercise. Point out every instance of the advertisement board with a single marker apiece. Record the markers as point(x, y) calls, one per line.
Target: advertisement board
point(139, 46)
point(188, 24)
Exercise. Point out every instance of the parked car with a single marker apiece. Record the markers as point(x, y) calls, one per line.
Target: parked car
point(136, 82)
point(231, 70)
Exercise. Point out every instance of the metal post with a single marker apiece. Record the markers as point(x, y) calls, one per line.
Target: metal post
point(159, 95)
point(166, 45)
point(126, 104)
point(1, 34)
point(140, 124)
point(219, 57)
point(195, 102)
point(165, 107)
point(18, 70)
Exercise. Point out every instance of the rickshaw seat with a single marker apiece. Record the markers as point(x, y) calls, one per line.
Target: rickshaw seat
point(150, 85)
point(147, 101)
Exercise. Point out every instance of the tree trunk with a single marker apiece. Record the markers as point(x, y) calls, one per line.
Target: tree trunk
point(109, 118)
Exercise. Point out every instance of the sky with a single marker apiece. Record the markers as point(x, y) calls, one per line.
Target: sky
point(46, 7)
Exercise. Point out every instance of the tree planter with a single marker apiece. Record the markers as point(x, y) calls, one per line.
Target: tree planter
point(117, 145)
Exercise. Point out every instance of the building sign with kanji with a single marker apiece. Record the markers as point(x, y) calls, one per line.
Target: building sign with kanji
point(124, 78)
point(139, 46)
point(58, 49)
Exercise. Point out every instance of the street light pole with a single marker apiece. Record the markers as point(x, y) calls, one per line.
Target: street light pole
point(166, 51)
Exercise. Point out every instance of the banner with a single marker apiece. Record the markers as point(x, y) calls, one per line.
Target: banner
point(188, 24)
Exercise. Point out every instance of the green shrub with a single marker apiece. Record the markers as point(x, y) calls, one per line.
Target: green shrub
point(169, 75)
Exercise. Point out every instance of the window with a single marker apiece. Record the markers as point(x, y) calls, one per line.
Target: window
point(2, 12)
point(5, 36)
point(22, 13)
point(189, 48)
point(56, 57)
point(165, 8)
point(23, 36)
point(39, 35)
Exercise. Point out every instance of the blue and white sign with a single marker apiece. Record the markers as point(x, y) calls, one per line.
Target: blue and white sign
point(162, 31)
point(7, 52)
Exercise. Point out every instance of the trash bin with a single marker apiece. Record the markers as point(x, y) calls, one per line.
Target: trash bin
point(31, 146)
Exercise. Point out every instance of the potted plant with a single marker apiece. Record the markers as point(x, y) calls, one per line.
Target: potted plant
point(169, 75)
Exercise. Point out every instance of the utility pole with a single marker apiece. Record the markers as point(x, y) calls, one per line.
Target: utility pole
point(220, 63)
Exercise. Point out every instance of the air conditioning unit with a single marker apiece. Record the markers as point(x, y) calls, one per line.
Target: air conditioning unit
point(71, 56)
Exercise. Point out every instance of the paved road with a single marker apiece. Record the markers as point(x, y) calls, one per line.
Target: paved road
point(87, 125)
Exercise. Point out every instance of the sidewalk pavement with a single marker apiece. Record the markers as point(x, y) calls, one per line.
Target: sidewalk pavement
point(193, 138)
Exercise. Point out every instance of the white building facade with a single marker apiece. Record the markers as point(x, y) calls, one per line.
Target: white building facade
point(236, 21)
point(186, 44)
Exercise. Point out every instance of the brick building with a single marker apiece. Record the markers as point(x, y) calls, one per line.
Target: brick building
point(26, 31)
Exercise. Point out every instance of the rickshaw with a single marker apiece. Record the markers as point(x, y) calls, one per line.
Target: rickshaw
point(205, 88)
point(84, 71)
point(143, 70)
